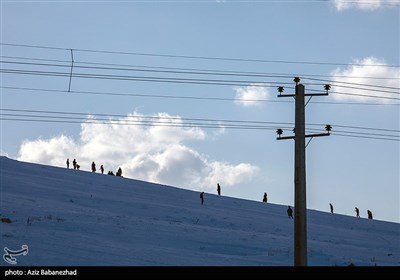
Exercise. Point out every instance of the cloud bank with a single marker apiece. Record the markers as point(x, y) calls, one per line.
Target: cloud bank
point(367, 71)
point(250, 96)
point(143, 151)
point(364, 4)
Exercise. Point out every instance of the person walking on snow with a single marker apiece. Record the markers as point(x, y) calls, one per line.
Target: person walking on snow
point(102, 169)
point(330, 205)
point(265, 197)
point(202, 197)
point(289, 212)
point(219, 189)
point(357, 213)
point(74, 163)
point(68, 163)
point(93, 167)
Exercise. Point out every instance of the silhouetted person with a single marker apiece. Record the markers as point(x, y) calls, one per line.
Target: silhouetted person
point(119, 172)
point(219, 189)
point(265, 197)
point(369, 214)
point(102, 169)
point(289, 212)
point(74, 163)
point(93, 167)
point(330, 205)
point(202, 198)
point(111, 173)
point(357, 213)
point(68, 163)
point(77, 166)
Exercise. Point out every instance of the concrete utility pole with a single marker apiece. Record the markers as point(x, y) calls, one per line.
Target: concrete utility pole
point(300, 194)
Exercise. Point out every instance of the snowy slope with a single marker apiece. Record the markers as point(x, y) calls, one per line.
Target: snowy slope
point(70, 217)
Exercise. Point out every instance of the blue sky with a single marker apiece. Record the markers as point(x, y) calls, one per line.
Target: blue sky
point(344, 41)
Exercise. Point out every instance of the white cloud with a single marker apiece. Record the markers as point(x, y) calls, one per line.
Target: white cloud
point(50, 151)
point(145, 152)
point(364, 4)
point(250, 95)
point(370, 71)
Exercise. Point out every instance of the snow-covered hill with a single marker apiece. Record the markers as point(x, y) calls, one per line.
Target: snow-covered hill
point(70, 217)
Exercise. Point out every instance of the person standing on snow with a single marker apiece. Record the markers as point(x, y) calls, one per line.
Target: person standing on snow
point(202, 197)
point(219, 189)
point(369, 214)
point(93, 167)
point(119, 172)
point(265, 199)
point(289, 212)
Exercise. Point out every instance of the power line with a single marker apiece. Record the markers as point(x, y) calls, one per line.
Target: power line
point(199, 57)
point(360, 127)
point(140, 70)
point(219, 121)
point(373, 3)
point(335, 82)
point(366, 137)
point(209, 71)
point(360, 133)
point(61, 119)
point(172, 80)
point(144, 78)
point(332, 83)
point(356, 94)
point(153, 95)
point(184, 125)
point(365, 95)
point(234, 1)
point(354, 135)
point(79, 117)
point(150, 69)
point(181, 80)
point(168, 96)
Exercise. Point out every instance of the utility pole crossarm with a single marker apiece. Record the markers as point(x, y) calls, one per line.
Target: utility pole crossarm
point(306, 94)
point(297, 80)
point(306, 136)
